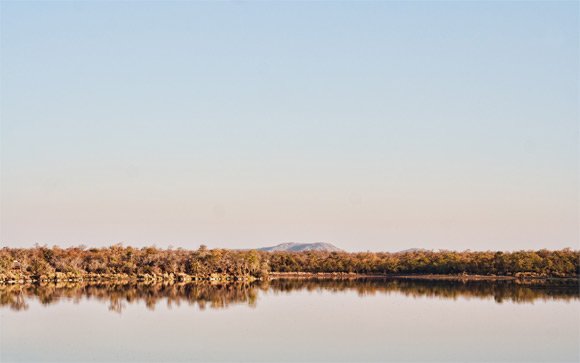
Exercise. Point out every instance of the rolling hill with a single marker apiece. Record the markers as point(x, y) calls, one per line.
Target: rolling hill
point(298, 247)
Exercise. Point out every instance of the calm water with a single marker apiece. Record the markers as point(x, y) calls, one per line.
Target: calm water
point(292, 320)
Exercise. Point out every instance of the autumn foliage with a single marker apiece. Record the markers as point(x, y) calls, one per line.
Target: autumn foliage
point(117, 261)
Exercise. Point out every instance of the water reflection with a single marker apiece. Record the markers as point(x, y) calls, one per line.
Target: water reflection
point(216, 296)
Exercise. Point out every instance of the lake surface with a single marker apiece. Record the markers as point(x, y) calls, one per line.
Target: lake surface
point(308, 320)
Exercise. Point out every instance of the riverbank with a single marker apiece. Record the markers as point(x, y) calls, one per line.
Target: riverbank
point(464, 277)
point(71, 277)
point(150, 263)
point(93, 277)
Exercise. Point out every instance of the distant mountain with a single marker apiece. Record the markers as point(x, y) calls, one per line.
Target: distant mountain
point(414, 250)
point(298, 247)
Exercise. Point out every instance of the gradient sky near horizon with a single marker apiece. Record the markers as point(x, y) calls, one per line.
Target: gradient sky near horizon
point(370, 125)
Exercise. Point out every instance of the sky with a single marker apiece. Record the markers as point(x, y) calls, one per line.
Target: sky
point(374, 126)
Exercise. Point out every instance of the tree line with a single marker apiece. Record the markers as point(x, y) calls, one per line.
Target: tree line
point(117, 261)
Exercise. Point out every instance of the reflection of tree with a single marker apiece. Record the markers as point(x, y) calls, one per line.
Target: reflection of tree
point(116, 305)
point(222, 295)
point(117, 294)
point(502, 290)
point(14, 298)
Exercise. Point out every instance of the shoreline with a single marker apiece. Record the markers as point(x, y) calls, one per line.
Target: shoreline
point(222, 278)
point(451, 277)
point(171, 278)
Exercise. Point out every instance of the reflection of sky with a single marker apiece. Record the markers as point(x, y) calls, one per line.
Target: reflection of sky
point(300, 326)
point(375, 126)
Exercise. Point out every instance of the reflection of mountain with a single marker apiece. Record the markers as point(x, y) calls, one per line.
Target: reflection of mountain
point(204, 294)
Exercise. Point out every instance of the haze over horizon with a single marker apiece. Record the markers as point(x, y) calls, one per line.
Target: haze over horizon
point(372, 126)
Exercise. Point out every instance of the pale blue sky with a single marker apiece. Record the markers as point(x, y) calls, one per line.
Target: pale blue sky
point(371, 125)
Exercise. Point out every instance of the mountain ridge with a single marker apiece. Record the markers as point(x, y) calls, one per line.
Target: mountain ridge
point(298, 247)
